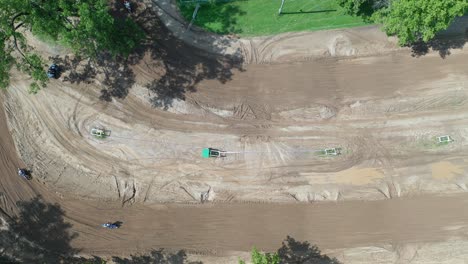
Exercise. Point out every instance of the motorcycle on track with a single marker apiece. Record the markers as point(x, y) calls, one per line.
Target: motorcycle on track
point(110, 225)
point(26, 174)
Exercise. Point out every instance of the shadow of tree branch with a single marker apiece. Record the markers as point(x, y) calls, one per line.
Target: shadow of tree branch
point(157, 257)
point(183, 66)
point(176, 67)
point(38, 234)
point(454, 37)
point(441, 45)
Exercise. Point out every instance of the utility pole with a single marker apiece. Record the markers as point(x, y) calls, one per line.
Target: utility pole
point(281, 7)
point(194, 15)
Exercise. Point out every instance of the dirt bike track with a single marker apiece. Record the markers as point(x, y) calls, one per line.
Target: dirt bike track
point(392, 185)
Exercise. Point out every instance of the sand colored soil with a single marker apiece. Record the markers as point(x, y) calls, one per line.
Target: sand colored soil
point(275, 112)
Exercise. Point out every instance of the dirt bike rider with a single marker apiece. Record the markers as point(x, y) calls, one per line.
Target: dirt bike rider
point(110, 225)
point(53, 71)
point(24, 173)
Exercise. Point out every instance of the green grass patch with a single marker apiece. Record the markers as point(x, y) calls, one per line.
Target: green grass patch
point(101, 136)
point(321, 153)
point(433, 143)
point(260, 17)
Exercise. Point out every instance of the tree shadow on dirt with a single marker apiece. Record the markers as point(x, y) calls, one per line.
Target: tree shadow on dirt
point(182, 66)
point(157, 257)
point(169, 67)
point(441, 45)
point(38, 234)
point(78, 70)
point(118, 77)
point(454, 37)
point(296, 252)
point(114, 73)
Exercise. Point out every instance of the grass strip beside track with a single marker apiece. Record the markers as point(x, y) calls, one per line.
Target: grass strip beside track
point(260, 17)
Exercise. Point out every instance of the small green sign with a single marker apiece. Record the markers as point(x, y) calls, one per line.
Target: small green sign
point(206, 153)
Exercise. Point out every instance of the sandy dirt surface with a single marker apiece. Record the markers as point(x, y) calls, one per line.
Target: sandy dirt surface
point(383, 110)
point(154, 156)
point(382, 231)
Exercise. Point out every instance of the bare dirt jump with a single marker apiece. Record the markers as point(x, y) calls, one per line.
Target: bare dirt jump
point(393, 195)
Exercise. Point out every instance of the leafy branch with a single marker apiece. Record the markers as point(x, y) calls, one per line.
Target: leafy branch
point(85, 26)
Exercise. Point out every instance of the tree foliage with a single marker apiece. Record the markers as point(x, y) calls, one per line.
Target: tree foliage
point(413, 20)
point(6, 61)
point(262, 258)
point(363, 8)
point(38, 234)
point(409, 20)
point(292, 252)
point(85, 26)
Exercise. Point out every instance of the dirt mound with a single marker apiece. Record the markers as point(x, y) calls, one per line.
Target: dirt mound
point(305, 46)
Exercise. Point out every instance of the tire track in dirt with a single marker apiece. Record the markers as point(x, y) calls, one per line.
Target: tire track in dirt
point(201, 228)
point(51, 132)
point(329, 131)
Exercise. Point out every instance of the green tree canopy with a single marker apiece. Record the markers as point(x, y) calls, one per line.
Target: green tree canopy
point(262, 258)
point(409, 20)
point(363, 8)
point(85, 26)
point(413, 20)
